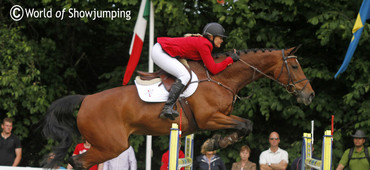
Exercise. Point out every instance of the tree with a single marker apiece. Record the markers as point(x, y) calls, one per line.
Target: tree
point(46, 58)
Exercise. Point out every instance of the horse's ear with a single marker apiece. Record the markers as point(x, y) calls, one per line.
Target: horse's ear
point(295, 49)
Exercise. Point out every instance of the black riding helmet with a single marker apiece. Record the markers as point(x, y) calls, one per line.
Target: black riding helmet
point(214, 29)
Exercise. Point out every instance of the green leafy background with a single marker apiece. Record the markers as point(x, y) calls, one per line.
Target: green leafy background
point(43, 59)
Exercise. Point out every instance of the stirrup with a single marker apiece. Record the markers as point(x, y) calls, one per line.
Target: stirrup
point(168, 112)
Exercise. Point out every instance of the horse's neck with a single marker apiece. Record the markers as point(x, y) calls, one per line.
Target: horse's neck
point(239, 74)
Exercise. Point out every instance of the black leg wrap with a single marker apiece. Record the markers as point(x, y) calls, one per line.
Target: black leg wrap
point(212, 143)
point(228, 140)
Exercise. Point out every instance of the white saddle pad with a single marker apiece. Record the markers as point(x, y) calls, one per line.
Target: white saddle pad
point(154, 91)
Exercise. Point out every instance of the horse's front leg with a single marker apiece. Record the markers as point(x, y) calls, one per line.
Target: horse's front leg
point(243, 128)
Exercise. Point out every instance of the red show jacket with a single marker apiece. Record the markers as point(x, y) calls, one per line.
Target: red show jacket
point(165, 159)
point(193, 48)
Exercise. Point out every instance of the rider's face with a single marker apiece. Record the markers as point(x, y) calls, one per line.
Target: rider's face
point(218, 41)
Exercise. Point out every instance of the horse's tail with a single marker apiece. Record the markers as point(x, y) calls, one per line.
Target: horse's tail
point(60, 125)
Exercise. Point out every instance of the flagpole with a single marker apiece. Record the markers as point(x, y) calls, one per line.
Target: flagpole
point(149, 152)
point(151, 36)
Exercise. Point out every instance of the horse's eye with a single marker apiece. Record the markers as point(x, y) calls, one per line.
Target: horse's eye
point(294, 66)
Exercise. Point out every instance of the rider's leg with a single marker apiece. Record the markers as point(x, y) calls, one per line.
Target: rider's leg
point(167, 111)
point(175, 68)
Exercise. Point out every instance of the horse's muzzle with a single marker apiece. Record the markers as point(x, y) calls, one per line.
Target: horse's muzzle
point(305, 98)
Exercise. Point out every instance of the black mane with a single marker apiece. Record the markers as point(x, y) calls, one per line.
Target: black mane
point(245, 51)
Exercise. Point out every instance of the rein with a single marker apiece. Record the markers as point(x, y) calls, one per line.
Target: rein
point(209, 79)
point(290, 83)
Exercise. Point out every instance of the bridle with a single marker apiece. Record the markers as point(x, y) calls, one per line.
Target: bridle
point(290, 86)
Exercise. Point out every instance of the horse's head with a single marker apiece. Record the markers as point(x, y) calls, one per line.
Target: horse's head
point(289, 73)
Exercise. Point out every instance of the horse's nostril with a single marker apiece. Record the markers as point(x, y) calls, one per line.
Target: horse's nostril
point(312, 95)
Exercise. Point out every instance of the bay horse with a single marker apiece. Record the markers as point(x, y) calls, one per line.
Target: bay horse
point(107, 119)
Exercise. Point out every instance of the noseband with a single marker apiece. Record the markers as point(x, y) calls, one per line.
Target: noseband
point(290, 86)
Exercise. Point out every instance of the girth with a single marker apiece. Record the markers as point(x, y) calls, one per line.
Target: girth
point(193, 125)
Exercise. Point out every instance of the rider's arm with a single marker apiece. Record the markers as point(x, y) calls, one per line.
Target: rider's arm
point(204, 50)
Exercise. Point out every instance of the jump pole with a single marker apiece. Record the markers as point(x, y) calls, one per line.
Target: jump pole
point(174, 162)
point(326, 157)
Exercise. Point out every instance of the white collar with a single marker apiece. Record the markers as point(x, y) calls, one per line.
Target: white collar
point(277, 151)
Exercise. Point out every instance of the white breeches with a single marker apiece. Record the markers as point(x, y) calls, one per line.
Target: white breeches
point(170, 64)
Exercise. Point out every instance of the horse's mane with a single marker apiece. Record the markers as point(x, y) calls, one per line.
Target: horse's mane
point(245, 51)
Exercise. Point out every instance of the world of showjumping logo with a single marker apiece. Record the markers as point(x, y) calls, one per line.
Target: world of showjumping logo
point(17, 13)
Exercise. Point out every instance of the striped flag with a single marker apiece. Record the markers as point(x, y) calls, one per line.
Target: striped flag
point(137, 39)
point(362, 16)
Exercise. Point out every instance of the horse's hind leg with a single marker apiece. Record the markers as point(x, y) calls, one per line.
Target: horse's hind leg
point(90, 158)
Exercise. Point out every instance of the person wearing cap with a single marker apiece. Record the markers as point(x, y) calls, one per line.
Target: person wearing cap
point(359, 159)
point(167, 50)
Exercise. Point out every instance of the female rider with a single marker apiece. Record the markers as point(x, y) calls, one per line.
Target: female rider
point(166, 51)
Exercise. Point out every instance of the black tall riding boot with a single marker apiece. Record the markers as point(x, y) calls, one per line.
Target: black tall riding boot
point(175, 91)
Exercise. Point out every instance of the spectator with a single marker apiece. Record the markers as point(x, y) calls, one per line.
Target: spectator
point(125, 161)
point(10, 145)
point(356, 158)
point(244, 163)
point(165, 158)
point(81, 148)
point(274, 158)
point(208, 160)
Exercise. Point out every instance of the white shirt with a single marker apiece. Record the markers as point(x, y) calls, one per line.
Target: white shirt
point(125, 161)
point(268, 156)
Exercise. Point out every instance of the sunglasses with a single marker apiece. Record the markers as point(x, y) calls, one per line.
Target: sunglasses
point(274, 138)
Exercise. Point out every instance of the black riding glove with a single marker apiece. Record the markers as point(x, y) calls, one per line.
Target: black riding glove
point(235, 57)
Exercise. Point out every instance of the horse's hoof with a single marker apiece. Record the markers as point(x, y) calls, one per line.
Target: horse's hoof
point(216, 137)
point(249, 127)
point(212, 143)
point(208, 145)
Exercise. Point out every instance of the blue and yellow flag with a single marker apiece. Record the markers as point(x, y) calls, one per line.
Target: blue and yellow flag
point(362, 16)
